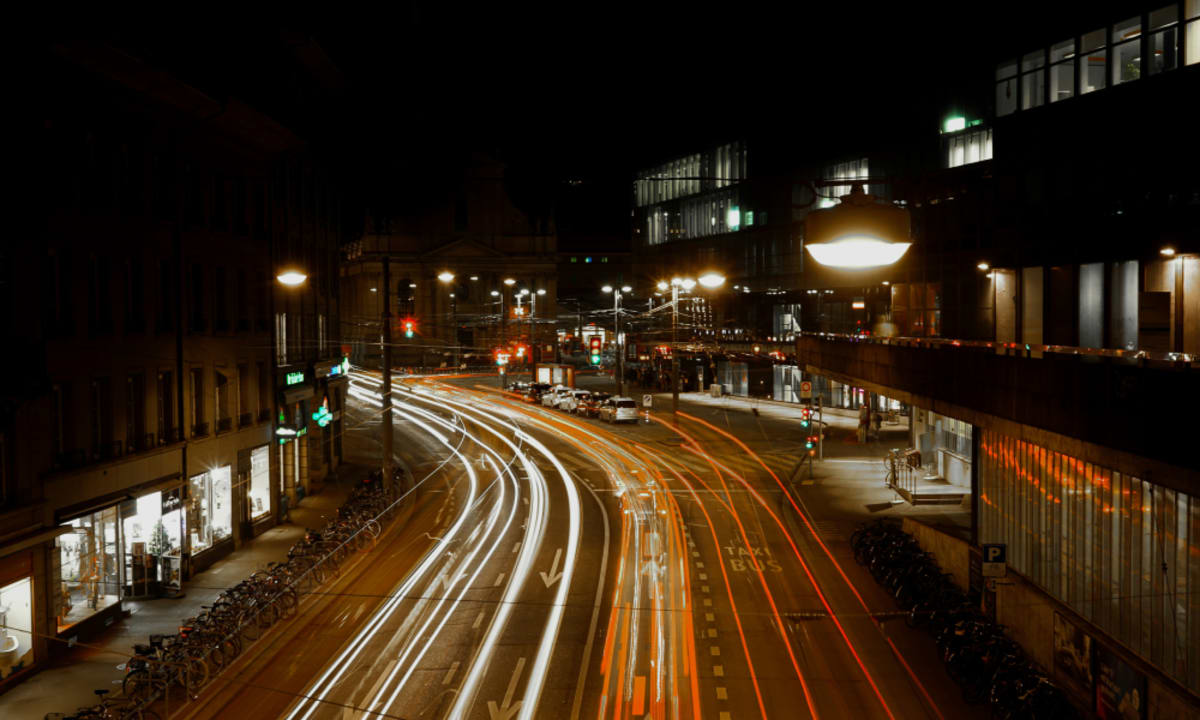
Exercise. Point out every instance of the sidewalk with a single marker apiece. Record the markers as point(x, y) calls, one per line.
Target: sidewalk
point(69, 682)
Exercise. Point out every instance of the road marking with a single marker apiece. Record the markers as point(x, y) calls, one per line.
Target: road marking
point(517, 546)
point(724, 715)
point(712, 632)
point(587, 649)
point(704, 588)
point(699, 564)
point(715, 650)
point(450, 673)
point(639, 695)
point(722, 694)
point(554, 575)
point(703, 576)
point(478, 621)
point(709, 617)
point(507, 709)
point(708, 602)
point(695, 554)
point(718, 671)
point(499, 579)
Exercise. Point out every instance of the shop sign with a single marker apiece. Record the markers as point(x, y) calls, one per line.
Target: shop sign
point(995, 559)
point(295, 378)
point(172, 500)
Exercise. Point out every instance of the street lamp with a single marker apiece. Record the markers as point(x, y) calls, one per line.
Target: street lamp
point(291, 277)
point(620, 346)
point(710, 280)
point(447, 277)
point(860, 232)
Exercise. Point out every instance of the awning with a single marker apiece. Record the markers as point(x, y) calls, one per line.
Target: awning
point(35, 536)
point(87, 507)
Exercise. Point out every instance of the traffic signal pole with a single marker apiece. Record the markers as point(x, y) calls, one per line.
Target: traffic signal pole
point(387, 374)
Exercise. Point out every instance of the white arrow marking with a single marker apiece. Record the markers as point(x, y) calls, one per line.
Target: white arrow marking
point(554, 575)
point(507, 709)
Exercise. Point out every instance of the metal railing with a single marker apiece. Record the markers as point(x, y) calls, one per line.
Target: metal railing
point(1014, 349)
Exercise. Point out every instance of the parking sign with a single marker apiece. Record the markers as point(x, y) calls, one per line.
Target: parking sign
point(995, 560)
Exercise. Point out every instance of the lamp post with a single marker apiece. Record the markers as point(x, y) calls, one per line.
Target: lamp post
point(447, 277)
point(616, 293)
point(710, 280)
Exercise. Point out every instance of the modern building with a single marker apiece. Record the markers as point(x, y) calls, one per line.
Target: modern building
point(147, 309)
point(456, 266)
point(1044, 326)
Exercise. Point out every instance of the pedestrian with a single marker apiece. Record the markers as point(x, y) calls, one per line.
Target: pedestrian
point(864, 422)
point(877, 423)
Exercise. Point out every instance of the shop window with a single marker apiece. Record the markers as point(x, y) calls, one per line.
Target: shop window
point(1093, 69)
point(88, 567)
point(16, 627)
point(152, 528)
point(210, 514)
point(1006, 88)
point(260, 483)
point(1192, 32)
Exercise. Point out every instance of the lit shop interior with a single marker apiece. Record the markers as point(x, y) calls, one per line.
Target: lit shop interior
point(16, 626)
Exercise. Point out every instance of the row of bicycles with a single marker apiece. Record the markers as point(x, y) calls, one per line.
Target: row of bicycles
point(979, 656)
point(180, 665)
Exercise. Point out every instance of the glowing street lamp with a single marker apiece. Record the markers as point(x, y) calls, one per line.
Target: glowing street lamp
point(860, 232)
point(510, 282)
point(291, 277)
point(712, 280)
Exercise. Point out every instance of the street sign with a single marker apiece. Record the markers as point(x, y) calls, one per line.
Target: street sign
point(806, 390)
point(995, 560)
point(647, 401)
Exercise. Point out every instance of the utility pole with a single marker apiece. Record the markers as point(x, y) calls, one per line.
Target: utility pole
point(675, 352)
point(617, 341)
point(387, 373)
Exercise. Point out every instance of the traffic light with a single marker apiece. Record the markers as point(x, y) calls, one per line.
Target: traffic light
point(595, 345)
point(409, 327)
point(810, 444)
point(805, 417)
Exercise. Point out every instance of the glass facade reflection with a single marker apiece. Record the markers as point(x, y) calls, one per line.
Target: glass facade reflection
point(210, 511)
point(259, 496)
point(1122, 552)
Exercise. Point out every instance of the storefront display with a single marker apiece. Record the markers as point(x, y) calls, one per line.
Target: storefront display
point(259, 496)
point(153, 529)
point(210, 511)
point(88, 567)
point(16, 627)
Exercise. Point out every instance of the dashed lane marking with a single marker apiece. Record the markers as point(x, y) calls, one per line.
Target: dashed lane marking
point(718, 671)
point(499, 579)
point(714, 650)
point(450, 673)
point(478, 621)
point(722, 694)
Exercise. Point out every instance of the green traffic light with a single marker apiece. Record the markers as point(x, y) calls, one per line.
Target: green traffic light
point(803, 423)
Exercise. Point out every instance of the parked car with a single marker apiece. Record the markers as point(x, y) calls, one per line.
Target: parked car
point(553, 397)
point(619, 409)
point(533, 394)
point(590, 406)
point(573, 400)
point(518, 387)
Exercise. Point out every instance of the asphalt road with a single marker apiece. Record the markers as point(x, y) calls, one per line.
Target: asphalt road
point(550, 566)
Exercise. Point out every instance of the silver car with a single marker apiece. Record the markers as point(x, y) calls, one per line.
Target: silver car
point(619, 409)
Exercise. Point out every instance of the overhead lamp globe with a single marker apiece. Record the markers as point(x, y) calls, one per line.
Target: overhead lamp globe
point(510, 282)
point(688, 283)
point(291, 277)
point(712, 280)
point(606, 288)
point(626, 288)
point(662, 285)
point(541, 292)
point(445, 276)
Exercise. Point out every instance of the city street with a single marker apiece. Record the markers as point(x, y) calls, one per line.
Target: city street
point(561, 567)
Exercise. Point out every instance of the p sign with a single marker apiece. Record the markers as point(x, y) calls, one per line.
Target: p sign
point(995, 560)
point(806, 390)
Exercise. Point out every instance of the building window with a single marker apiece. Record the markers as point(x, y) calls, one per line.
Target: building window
point(1093, 62)
point(16, 611)
point(221, 401)
point(1192, 32)
point(56, 418)
point(199, 427)
point(102, 420)
point(210, 508)
point(135, 413)
point(321, 340)
point(1033, 79)
point(1127, 50)
point(964, 148)
point(88, 567)
point(1062, 70)
point(851, 170)
point(1006, 88)
point(281, 355)
point(1164, 40)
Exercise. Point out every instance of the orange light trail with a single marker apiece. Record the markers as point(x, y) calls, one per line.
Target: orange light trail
point(836, 564)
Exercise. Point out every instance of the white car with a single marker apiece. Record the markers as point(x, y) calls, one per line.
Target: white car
point(555, 396)
point(573, 400)
point(619, 409)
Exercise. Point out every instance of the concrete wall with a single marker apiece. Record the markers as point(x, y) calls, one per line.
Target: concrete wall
point(1031, 305)
point(1091, 305)
point(1124, 308)
point(956, 470)
point(951, 553)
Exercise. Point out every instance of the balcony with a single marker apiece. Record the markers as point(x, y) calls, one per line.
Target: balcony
point(264, 415)
point(1124, 400)
point(224, 424)
point(200, 430)
point(245, 420)
point(169, 436)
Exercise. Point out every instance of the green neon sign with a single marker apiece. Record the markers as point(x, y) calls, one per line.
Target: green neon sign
point(295, 378)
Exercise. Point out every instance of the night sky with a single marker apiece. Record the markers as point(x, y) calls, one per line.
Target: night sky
point(592, 92)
